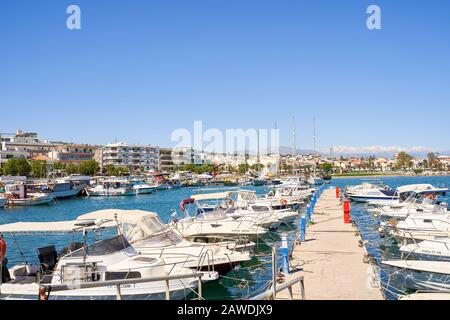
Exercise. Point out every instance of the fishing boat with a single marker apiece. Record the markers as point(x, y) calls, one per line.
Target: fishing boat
point(433, 249)
point(111, 188)
point(97, 263)
point(63, 188)
point(18, 194)
point(146, 232)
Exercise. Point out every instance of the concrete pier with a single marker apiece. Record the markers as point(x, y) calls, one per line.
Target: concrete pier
point(330, 258)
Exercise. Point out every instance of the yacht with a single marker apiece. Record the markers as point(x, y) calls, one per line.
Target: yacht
point(419, 227)
point(104, 260)
point(146, 232)
point(407, 193)
point(433, 249)
point(422, 274)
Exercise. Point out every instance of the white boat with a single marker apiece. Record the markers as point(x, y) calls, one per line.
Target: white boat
point(427, 296)
point(419, 227)
point(19, 195)
point(260, 214)
point(151, 237)
point(433, 249)
point(104, 260)
point(111, 188)
point(141, 187)
point(413, 209)
point(422, 274)
point(409, 193)
point(214, 223)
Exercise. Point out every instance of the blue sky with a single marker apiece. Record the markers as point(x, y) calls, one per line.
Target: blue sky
point(139, 69)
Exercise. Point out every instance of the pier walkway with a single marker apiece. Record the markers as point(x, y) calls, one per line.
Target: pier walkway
point(330, 259)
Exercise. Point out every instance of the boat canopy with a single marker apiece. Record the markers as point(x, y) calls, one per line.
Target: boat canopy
point(52, 227)
point(97, 219)
point(122, 216)
point(210, 196)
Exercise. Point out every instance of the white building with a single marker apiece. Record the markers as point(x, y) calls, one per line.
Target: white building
point(135, 157)
point(23, 145)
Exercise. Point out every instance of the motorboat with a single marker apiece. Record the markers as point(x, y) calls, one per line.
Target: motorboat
point(422, 274)
point(368, 194)
point(419, 227)
point(146, 232)
point(19, 194)
point(141, 187)
point(110, 188)
point(433, 249)
point(214, 223)
point(293, 182)
point(409, 192)
point(94, 264)
point(413, 209)
point(261, 214)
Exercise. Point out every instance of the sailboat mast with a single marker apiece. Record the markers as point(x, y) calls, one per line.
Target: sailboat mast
point(314, 145)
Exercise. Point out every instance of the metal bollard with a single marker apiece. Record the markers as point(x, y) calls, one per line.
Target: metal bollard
point(308, 214)
point(285, 253)
point(303, 228)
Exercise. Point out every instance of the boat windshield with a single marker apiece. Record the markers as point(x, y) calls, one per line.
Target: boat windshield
point(103, 247)
point(150, 229)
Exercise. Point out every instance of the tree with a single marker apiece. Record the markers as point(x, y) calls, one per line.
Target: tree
point(17, 167)
point(88, 168)
point(432, 161)
point(404, 160)
point(39, 168)
point(72, 168)
point(326, 167)
point(59, 166)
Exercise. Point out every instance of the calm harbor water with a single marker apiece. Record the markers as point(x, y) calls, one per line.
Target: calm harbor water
point(250, 278)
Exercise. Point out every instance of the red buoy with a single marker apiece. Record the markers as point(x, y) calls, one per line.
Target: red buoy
point(337, 192)
point(346, 211)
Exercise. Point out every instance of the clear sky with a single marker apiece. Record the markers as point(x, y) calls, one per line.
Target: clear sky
point(137, 70)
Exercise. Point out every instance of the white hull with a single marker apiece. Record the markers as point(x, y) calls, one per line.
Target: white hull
point(35, 201)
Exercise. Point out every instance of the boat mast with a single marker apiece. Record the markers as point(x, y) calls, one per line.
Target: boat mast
point(314, 145)
point(294, 147)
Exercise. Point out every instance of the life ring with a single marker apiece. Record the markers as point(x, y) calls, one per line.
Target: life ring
point(283, 202)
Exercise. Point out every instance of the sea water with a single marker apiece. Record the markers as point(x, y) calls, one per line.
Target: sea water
point(250, 278)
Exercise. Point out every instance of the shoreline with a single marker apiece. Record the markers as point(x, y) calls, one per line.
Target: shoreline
point(386, 175)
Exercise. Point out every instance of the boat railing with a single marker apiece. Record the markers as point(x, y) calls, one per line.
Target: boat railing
point(271, 294)
point(46, 289)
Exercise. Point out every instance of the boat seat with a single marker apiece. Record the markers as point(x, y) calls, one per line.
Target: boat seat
point(47, 258)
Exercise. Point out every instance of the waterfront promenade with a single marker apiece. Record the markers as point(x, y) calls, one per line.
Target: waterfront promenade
point(330, 258)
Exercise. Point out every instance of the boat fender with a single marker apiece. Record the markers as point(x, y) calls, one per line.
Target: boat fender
point(283, 202)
